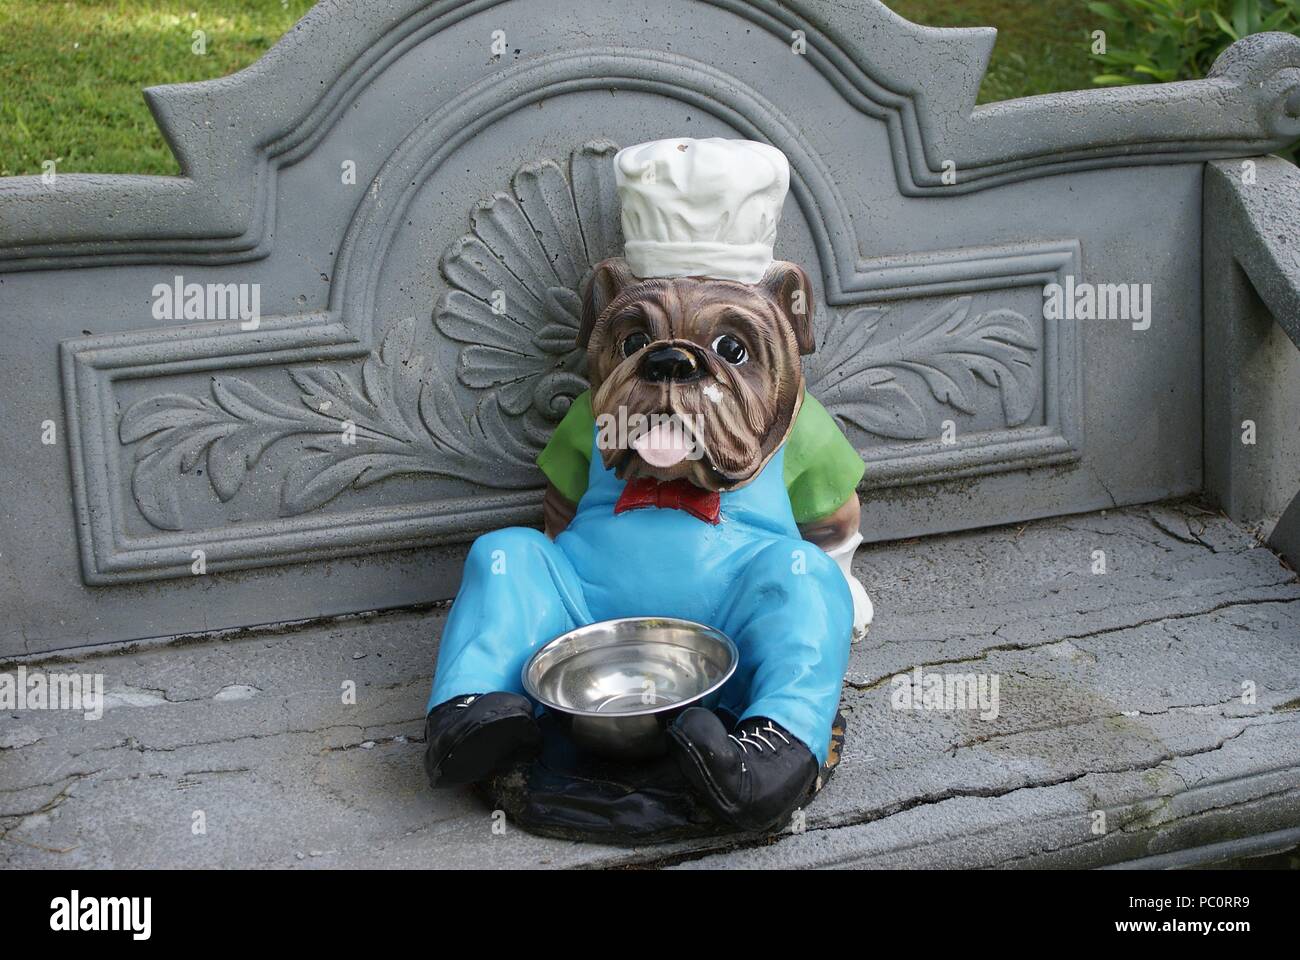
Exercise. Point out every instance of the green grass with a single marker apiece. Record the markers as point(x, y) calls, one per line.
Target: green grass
point(71, 72)
point(1043, 46)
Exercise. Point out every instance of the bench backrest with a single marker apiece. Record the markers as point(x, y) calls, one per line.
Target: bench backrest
point(404, 196)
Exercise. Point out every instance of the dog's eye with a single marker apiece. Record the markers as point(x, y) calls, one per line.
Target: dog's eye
point(634, 342)
point(730, 349)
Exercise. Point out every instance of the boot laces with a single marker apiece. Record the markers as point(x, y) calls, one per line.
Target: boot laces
point(755, 738)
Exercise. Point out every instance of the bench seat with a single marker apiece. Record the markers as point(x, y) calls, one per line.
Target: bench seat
point(1120, 693)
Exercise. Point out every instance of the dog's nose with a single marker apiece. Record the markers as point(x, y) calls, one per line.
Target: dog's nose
point(668, 364)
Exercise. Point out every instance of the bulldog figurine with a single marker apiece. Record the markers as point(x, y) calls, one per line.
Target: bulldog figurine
point(695, 479)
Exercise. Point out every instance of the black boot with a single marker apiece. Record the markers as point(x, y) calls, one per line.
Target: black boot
point(753, 778)
point(469, 738)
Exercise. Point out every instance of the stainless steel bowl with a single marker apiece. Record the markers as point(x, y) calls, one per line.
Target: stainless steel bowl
point(617, 685)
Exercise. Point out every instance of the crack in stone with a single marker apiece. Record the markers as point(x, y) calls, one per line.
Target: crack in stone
point(1101, 632)
point(54, 803)
point(131, 743)
point(375, 741)
point(1189, 538)
point(1102, 483)
point(1173, 708)
point(211, 772)
point(230, 635)
point(1287, 580)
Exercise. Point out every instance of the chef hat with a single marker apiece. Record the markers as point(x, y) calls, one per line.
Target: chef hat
point(701, 208)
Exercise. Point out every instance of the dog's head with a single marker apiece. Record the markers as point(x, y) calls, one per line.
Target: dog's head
point(695, 378)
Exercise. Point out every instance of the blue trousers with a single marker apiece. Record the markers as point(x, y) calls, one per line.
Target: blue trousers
point(781, 599)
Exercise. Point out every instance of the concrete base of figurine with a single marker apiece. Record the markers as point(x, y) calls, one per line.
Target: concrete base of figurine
point(573, 795)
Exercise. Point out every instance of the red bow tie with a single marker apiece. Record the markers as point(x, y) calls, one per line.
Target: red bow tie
point(674, 495)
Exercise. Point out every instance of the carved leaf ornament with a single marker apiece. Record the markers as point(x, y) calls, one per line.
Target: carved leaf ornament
point(880, 384)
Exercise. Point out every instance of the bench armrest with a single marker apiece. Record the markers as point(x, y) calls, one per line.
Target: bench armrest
point(1252, 374)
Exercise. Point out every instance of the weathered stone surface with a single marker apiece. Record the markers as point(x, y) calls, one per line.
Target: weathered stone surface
point(1119, 692)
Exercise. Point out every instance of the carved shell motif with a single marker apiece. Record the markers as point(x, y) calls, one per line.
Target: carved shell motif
point(514, 304)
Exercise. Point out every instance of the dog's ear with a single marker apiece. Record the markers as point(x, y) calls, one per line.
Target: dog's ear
point(790, 287)
point(607, 278)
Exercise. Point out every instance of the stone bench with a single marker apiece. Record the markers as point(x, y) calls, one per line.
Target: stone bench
point(294, 382)
point(1121, 734)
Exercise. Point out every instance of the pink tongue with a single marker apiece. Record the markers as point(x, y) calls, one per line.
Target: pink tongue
point(664, 445)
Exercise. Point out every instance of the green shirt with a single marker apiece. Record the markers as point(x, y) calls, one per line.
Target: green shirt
point(822, 470)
